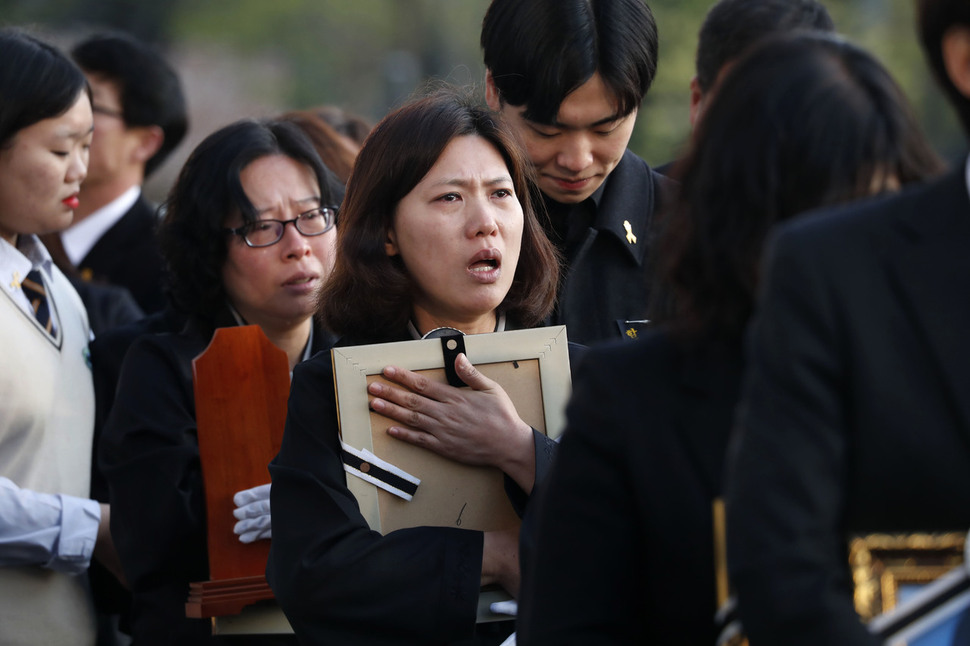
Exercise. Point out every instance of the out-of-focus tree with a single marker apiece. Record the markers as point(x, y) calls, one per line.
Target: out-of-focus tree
point(369, 55)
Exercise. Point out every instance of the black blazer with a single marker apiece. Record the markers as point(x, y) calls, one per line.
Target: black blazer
point(128, 255)
point(610, 278)
point(149, 455)
point(857, 408)
point(622, 527)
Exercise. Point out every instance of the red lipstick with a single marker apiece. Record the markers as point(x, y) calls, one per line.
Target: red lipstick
point(71, 202)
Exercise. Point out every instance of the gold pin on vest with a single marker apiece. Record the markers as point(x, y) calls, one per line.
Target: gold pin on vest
point(632, 239)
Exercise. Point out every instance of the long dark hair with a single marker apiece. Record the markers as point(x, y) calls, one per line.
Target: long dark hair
point(803, 121)
point(369, 293)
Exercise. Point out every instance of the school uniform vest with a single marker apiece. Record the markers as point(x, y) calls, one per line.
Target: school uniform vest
point(46, 435)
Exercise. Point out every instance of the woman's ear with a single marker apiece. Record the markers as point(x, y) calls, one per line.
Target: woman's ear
point(390, 243)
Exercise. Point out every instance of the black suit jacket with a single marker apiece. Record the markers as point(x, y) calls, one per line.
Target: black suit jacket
point(149, 455)
point(622, 528)
point(857, 408)
point(610, 275)
point(128, 255)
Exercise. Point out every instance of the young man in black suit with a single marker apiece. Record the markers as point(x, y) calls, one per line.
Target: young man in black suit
point(140, 118)
point(569, 77)
point(856, 413)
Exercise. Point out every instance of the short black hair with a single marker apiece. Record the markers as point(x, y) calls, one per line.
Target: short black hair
point(208, 191)
point(827, 124)
point(935, 18)
point(538, 51)
point(151, 93)
point(37, 82)
point(732, 26)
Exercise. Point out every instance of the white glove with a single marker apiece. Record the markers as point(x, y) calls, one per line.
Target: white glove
point(252, 511)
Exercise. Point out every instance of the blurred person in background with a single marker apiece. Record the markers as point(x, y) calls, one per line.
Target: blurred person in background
point(730, 28)
point(139, 118)
point(623, 530)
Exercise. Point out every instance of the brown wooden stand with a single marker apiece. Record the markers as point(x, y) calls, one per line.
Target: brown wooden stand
point(242, 382)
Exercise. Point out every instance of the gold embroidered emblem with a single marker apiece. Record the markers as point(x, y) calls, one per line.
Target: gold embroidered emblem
point(632, 239)
point(632, 333)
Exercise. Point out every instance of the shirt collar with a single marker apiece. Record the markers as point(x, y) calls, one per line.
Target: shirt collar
point(17, 262)
point(80, 238)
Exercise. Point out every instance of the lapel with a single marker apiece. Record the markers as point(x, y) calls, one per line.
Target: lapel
point(710, 386)
point(628, 201)
point(928, 256)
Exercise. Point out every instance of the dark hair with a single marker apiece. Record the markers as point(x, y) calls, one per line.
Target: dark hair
point(350, 125)
point(334, 151)
point(208, 190)
point(370, 293)
point(804, 121)
point(37, 82)
point(935, 18)
point(732, 26)
point(538, 51)
point(151, 94)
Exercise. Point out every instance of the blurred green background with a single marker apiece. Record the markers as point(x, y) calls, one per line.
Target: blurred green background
point(259, 57)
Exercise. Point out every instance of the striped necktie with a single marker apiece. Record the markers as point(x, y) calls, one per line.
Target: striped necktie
point(33, 286)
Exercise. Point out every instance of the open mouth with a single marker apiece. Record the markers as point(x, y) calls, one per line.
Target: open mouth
point(484, 265)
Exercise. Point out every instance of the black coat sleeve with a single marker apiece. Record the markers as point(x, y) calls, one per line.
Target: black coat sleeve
point(337, 580)
point(788, 483)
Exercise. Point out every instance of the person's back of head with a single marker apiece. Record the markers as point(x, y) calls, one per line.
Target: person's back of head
point(149, 88)
point(539, 51)
point(943, 21)
point(827, 124)
point(733, 26)
point(37, 82)
point(334, 149)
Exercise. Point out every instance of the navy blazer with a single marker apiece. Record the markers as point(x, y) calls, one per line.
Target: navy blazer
point(857, 407)
point(610, 274)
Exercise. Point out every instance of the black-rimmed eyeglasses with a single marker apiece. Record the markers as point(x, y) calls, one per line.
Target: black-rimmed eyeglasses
point(263, 233)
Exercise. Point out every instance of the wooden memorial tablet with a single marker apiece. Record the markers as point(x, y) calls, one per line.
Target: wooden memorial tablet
point(242, 382)
point(533, 368)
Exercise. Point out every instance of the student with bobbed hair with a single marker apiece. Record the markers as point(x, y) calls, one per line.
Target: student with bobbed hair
point(438, 230)
point(249, 237)
point(569, 77)
point(627, 509)
point(50, 528)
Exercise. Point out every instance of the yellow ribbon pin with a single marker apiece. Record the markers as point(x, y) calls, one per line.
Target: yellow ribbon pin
point(16, 280)
point(632, 239)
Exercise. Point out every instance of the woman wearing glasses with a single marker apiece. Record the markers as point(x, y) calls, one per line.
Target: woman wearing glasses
point(249, 238)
